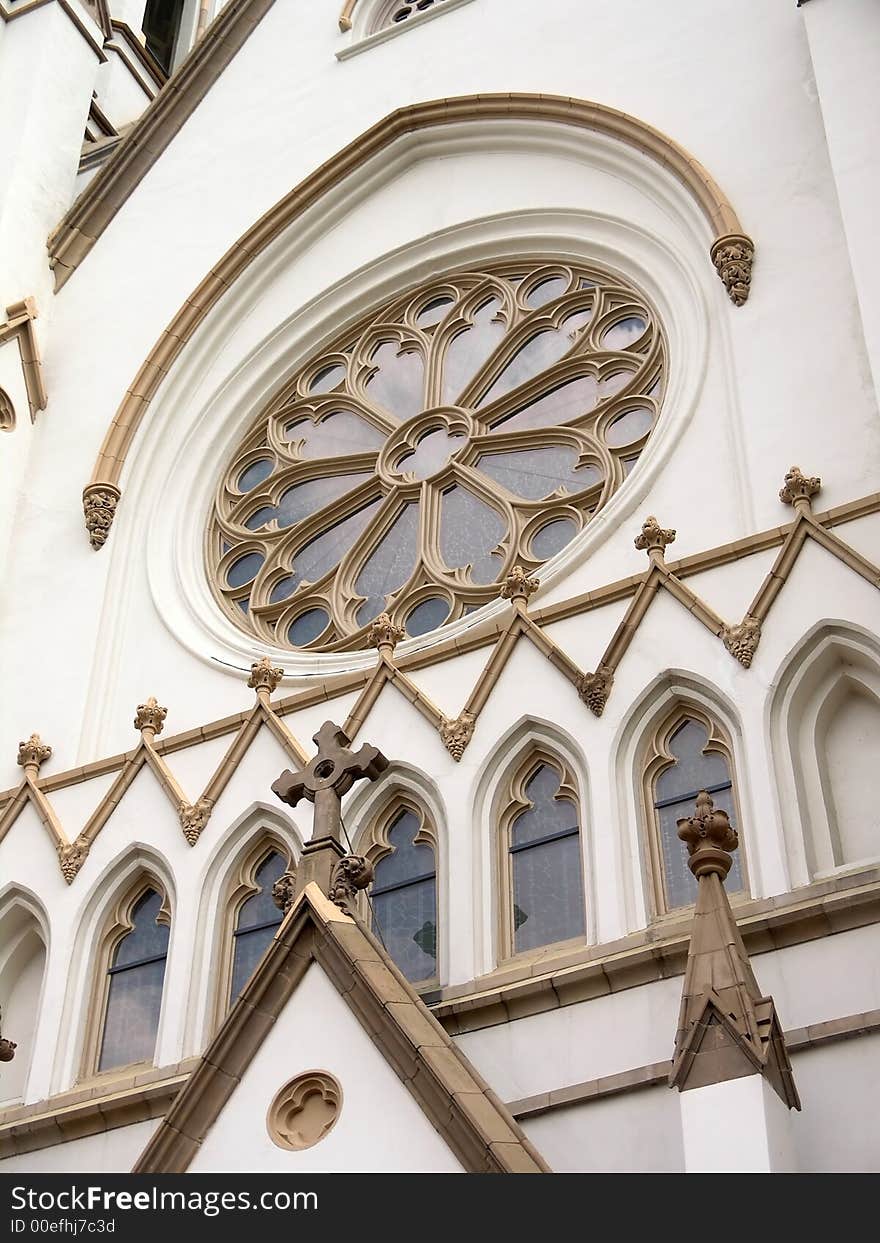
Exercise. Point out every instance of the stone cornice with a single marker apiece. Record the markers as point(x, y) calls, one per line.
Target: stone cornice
point(799, 1039)
point(658, 952)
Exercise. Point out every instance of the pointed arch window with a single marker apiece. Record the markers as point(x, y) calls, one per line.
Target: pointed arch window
point(542, 869)
point(256, 921)
point(403, 896)
point(689, 754)
point(134, 983)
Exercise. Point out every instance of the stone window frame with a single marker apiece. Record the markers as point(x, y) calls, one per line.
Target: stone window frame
point(371, 23)
point(512, 803)
point(117, 925)
point(658, 758)
point(227, 539)
point(373, 842)
point(241, 885)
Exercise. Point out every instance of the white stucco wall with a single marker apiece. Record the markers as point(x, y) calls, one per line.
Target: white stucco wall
point(380, 1128)
point(85, 637)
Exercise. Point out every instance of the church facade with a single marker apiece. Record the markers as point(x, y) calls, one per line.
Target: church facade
point(440, 637)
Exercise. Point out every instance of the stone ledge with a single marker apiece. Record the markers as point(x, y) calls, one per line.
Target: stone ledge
point(798, 1040)
point(658, 952)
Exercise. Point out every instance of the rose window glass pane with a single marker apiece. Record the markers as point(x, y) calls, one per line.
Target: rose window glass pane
point(444, 404)
point(389, 566)
point(258, 918)
point(675, 796)
point(404, 901)
point(134, 997)
point(540, 472)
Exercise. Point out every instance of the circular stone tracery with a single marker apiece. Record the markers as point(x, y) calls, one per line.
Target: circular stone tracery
point(477, 422)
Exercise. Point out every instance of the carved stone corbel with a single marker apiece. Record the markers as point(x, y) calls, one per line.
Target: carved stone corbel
point(654, 538)
point(99, 506)
point(265, 678)
point(150, 718)
point(742, 640)
point(733, 255)
point(457, 734)
point(193, 818)
point(594, 688)
point(284, 891)
point(71, 856)
point(518, 585)
point(351, 874)
point(799, 489)
point(384, 634)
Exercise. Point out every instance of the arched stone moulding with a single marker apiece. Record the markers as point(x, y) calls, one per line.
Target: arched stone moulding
point(834, 654)
point(731, 250)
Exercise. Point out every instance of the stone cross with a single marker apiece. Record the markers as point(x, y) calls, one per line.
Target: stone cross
point(330, 774)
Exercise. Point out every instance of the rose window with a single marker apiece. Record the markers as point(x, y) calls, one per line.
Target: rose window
point(476, 423)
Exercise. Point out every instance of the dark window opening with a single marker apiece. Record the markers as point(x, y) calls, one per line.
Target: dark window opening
point(161, 27)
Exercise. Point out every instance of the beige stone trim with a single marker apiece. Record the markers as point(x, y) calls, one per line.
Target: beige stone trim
point(106, 193)
point(657, 952)
point(192, 815)
point(345, 16)
point(454, 732)
point(474, 1123)
point(798, 1040)
point(334, 591)
point(113, 1103)
point(19, 326)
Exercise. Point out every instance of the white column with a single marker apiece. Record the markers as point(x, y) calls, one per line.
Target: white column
point(737, 1127)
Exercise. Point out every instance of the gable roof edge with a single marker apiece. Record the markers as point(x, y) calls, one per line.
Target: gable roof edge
point(474, 1123)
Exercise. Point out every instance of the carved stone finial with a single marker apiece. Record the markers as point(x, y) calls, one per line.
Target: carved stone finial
point(193, 818)
point(709, 838)
point(99, 506)
point(384, 634)
point(733, 255)
point(265, 678)
point(799, 489)
point(457, 734)
point(654, 538)
point(283, 891)
point(150, 717)
point(518, 585)
point(32, 754)
point(742, 640)
point(351, 874)
point(71, 856)
point(594, 688)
